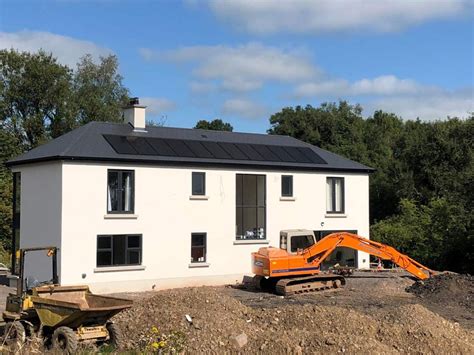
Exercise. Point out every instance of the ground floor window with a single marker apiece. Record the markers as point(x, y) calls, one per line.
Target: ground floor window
point(116, 250)
point(198, 247)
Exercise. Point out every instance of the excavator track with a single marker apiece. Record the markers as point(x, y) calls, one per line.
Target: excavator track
point(314, 283)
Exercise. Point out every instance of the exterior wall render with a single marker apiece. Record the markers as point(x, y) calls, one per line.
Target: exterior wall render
point(166, 216)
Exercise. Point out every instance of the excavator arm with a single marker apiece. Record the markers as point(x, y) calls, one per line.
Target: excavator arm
point(318, 252)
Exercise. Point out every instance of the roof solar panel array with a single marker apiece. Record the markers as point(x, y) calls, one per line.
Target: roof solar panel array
point(212, 150)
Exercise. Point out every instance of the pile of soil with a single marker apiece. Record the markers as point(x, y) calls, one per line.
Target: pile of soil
point(217, 317)
point(446, 289)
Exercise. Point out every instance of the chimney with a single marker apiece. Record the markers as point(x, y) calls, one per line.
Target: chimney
point(134, 114)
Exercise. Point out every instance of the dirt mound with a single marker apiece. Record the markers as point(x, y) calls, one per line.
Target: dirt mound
point(217, 318)
point(447, 289)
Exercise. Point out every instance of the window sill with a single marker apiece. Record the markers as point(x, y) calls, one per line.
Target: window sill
point(198, 264)
point(251, 241)
point(120, 216)
point(199, 197)
point(119, 268)
point(287, 198)
point(335, 215)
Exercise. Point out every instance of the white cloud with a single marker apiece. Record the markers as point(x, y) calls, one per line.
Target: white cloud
point(157, 105)
point(311, 16)
point(428, 107)
point(244, 108)
point(241, 68)
point(381, 85)
point(68, 50)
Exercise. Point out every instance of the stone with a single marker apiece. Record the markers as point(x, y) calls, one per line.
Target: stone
point(240, 340)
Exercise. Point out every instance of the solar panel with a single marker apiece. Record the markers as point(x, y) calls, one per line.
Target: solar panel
point(250, 152)
point(160, 146)
point(212, 150)
point(295, 153)
point(141, 146)
point(265, 152)
point(216, 150)
point(179, 148)
point(198, 149)
point(120, 144)
point(311, 155)
point(234, 151)
point(282, 154)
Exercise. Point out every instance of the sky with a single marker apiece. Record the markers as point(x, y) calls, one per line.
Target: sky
point(243, 60)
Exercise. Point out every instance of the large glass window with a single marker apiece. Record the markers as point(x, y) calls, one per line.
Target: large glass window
point(287, 185)
point(16, 219)
point(335, 195)
point(120, 191)
point(115, 250)
point(250, 206)
point(198, 183)
point(198, 247)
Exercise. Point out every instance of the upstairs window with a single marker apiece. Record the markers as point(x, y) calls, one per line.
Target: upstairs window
point(335, 195)
point(198, 184)
point(120, 191)
point(119, 250)
point(198, 248)
point(287, 185)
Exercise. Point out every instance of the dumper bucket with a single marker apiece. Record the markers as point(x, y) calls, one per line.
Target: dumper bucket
point(75, 306)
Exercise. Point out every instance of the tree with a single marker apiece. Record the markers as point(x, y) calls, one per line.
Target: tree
point(36, 100)
point(98, 89)
point(214, 125)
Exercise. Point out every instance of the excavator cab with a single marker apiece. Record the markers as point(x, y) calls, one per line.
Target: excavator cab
point(294, 241)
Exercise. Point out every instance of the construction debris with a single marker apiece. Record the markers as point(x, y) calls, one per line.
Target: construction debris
point(377, 315)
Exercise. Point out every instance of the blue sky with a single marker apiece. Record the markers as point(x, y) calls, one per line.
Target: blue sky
point(244, 60)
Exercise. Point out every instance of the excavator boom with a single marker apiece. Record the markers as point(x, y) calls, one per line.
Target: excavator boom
point(318, 252)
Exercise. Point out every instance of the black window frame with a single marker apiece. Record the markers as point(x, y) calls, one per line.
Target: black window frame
point(200, 174)
point(290, 193)
point(204, 246)
point(333, 180)
point(16, 214)
point(126, 250)
point(257, 206)
point(120, 187)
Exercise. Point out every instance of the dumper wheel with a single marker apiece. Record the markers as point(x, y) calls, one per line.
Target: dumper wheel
point(14, 334)
point(65, 338)
point(116, 336)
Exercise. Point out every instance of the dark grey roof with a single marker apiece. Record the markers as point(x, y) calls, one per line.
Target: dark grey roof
point(88, 143)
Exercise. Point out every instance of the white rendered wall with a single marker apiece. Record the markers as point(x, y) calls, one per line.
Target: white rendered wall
point(40, 220)
point(166, 217)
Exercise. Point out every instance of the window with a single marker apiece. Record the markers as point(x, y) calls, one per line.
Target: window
point(301, 242)
point(287, 185)
point(198, 247)
point(250, 206)
point(335, 195)
point(16, 220)
point(120, 191)
point(115, 250)
point(199, 184)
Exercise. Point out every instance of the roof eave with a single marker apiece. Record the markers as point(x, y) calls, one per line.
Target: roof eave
point(190, 163)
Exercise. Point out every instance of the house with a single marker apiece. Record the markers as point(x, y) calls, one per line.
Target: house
point(135, 208)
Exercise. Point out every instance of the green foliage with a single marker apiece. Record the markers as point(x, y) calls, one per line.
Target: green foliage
point(36, 96)
point(214, 125)
point(421, 193)
point(98, 89)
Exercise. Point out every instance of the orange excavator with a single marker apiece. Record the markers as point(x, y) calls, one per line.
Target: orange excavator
point(295, 267)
